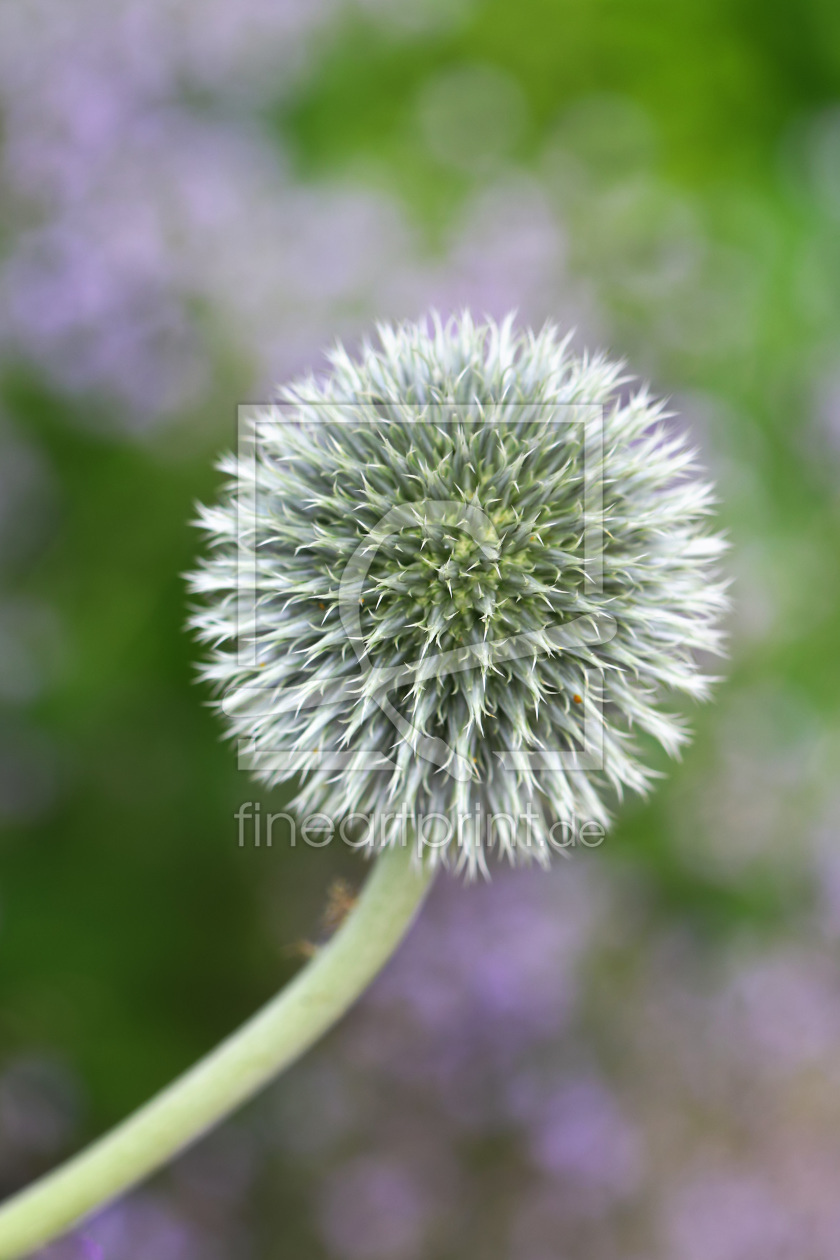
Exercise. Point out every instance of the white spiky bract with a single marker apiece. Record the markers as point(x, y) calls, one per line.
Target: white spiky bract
point(472, 443)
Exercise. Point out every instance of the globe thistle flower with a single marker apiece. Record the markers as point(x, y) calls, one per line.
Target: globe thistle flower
point(455, 576)
point(475, 569)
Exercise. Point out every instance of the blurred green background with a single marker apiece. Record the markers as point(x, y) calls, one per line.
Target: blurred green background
point(197, 199)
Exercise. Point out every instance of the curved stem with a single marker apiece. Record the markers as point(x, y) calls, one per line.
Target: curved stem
point(231, 1073)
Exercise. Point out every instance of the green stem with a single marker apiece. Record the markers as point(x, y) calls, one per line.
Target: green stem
point(241, 1065)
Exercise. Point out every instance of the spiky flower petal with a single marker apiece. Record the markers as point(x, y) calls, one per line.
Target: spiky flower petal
point(474, 569)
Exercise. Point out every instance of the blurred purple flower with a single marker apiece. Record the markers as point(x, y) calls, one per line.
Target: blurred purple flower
point(490, 974)
point(732, 1216)
point(783, 1008)
point(375, 1209)
point(145, 1225)
point(132, 209)
point(579, 1135)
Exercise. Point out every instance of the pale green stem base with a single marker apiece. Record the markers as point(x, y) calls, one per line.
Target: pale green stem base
point(241, 1065)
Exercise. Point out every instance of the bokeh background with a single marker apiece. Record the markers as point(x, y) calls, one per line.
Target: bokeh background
point(636, 1057)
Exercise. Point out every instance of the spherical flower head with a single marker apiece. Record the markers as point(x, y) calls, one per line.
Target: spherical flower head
point(448, 583)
